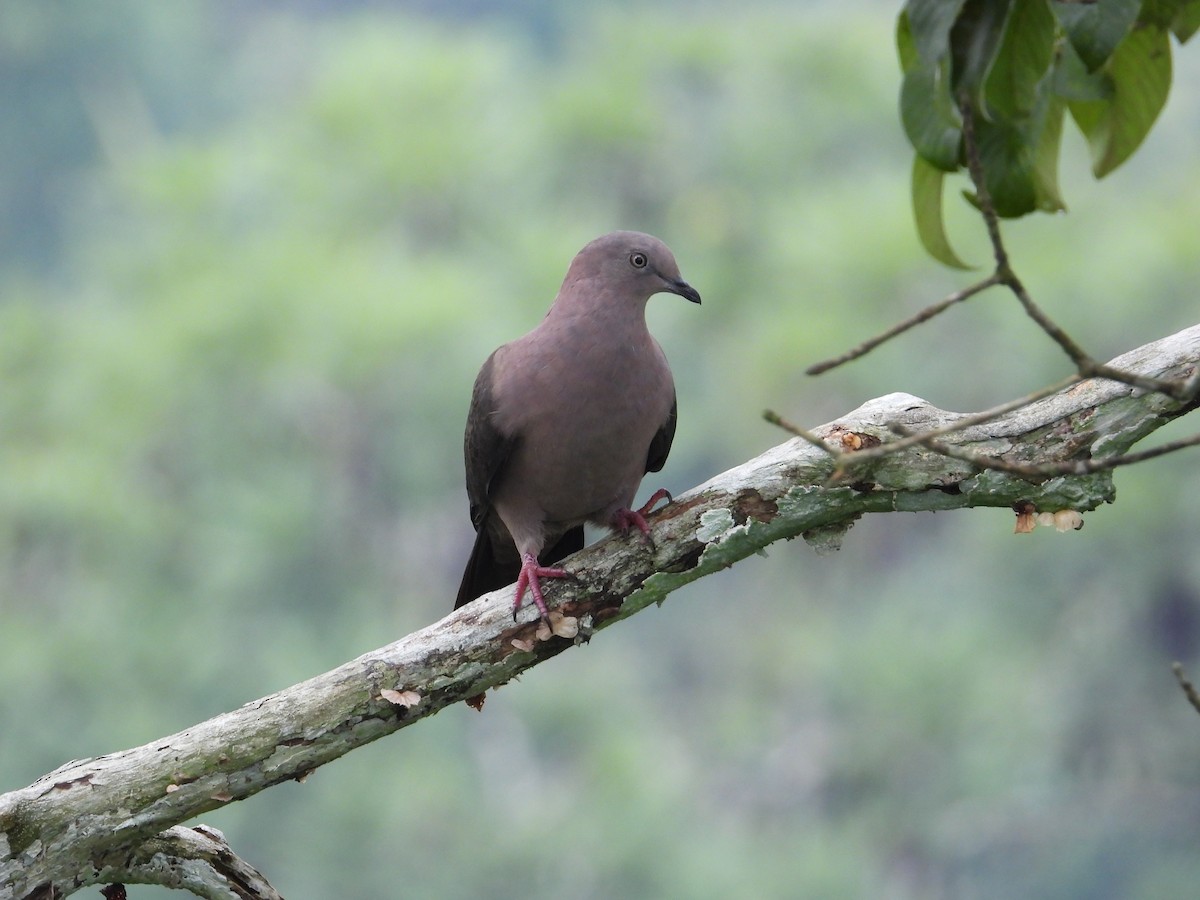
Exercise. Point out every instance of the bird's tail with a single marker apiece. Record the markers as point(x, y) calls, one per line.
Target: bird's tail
point(486, 571)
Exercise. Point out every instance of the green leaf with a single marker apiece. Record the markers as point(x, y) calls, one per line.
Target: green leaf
point(1072, 80)
point(906, 45)
point(931, 21)
point(1094, 119)
point(1007, 158)
point(927, 210)
point(1140, 70)
point(1021, 64)
point(929, 116)
point(974, 43)
point(1186, 21)
point(1160, 13)
point(1045, 159)
point(1020, 159)
point(1095, 29)
point(1019, 141)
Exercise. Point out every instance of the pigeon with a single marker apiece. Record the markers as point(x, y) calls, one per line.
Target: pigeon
point(565, 421)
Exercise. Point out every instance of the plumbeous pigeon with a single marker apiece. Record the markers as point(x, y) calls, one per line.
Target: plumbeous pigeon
point(565, 421)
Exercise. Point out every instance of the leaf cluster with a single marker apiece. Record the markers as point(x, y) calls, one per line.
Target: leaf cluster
point(1021, 66)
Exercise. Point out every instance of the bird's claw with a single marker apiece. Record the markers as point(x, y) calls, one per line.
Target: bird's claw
point(530, 573)
point(636, 518)
point(648, 506)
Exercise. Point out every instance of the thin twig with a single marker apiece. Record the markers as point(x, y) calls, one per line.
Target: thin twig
point(966, 422)
point(1042, 471)
point(844, 460)
point(923, 316)
point(983, 197)
point(1172, 387)
point(1004, 271)
point(1083, 362)
point(848, 460)
point(775, 419)
point(1189, 689)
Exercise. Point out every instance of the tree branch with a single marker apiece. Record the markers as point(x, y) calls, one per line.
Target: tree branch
point(77, 824)
point(197, 859)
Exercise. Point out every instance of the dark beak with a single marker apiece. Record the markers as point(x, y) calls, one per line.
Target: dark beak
point(685, 290)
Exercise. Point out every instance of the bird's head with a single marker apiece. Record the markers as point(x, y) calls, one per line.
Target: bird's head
point(630, 264)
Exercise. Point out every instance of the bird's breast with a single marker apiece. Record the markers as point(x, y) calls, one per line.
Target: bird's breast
point(585, 413)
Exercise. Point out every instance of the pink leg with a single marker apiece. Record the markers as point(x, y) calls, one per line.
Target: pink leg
point(530, 573)
point(624, 519)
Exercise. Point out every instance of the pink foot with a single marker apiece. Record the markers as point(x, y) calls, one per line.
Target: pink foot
point(624, 519)
point(530, 573)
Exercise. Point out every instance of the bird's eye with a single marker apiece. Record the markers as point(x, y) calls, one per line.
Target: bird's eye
point(638, 260)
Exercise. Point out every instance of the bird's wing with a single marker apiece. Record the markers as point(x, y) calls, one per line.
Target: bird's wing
point(660, 445)
point(485, 448)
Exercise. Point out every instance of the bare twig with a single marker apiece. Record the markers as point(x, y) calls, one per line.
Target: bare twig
point(845, 460)
point(1041, 471)
point(923, 316)
point(1189, 689)
point(1178, 390)
point(775, 419)
point(1084, 363)
point(979, 418)
point(983, 197)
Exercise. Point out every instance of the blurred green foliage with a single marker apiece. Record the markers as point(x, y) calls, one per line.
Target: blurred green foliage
point(253, 258)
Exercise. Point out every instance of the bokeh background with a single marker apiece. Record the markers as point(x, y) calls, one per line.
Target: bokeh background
point(251, 258)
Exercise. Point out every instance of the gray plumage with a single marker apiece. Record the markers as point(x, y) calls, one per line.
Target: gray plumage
point(565, 421)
